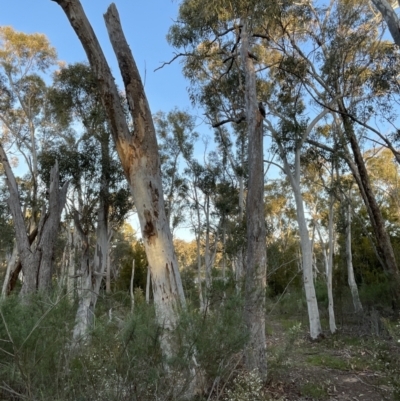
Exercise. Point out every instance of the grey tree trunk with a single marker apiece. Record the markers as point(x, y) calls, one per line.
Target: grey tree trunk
point(11, 267)
point(71, 264)
point(256, 267)
point(148, 286)
point(390, 17)
point(131, 287)
point(36, 263)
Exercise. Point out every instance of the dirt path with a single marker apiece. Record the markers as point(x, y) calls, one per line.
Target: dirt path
point(341, 367)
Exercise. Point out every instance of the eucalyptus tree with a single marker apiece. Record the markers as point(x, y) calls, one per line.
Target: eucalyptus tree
point(138, 153)
point(319, 180)
point(90, 162)
point(176, 136)
point(349, 72)
point(24, 58)
point(220, 34)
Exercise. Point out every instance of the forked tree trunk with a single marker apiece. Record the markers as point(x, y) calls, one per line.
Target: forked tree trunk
point(390, 17)
point(256, 266)
point(36, 263)
point(138, 152)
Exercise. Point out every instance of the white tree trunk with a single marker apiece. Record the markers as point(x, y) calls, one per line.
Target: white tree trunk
point(306, 252)
point(349, 260)
point(329, 273)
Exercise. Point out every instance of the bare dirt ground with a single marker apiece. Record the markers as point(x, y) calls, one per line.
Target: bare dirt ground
point(352, 364)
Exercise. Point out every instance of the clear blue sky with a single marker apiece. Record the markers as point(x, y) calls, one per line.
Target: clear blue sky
point(145, 23)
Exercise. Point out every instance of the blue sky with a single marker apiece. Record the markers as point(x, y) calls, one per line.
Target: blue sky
point(145, 24)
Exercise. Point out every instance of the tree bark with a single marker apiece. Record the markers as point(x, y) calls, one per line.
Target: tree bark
point(36, 263)
point(390, 17)
point(138, 153)
point(256, 268)
point(384, 246)
point(349, 261)
point(307, 263)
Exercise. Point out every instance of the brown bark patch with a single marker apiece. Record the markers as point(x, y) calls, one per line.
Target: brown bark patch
point(149, 228)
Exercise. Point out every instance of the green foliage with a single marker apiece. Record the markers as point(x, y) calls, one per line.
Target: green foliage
point(121, 360)
point(125, 253)
point(316, 391)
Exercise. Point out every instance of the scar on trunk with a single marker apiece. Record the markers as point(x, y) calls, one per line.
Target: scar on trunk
point(149, 229)
point(154, 199)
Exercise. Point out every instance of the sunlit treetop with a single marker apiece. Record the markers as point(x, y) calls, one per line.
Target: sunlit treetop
point(21, 52)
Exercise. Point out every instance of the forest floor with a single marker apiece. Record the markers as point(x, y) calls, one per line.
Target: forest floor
point(361, 362)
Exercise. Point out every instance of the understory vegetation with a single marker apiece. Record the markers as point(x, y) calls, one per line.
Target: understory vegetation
point(121, 359)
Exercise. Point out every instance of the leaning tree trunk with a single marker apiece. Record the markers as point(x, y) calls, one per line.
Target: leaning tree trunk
point(36, 263)
point(256, 266)
point(384, 246)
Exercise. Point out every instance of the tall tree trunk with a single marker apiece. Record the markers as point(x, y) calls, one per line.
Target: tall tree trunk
point(390, 17)
point(329, 272)
point(307, 264)
point(148, 286)
point(138, 152)
point(384, 246)
point(349, 261)
point(85, 313)
point(256, 267)
point(71, 264)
